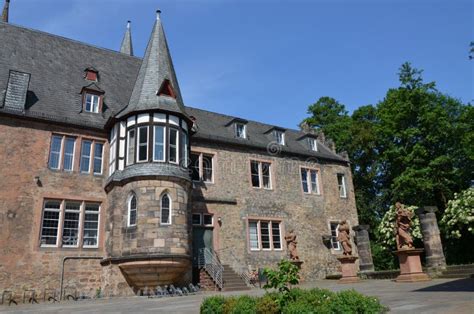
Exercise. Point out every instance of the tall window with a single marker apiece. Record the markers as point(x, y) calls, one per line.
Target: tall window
point(79, 220)
point(202, 167)
point(62, 152)
point(132, 211)
point(341, 182)
point(310, 181)
point(240, 130)
point(92, 103)
point(91, 225)
point(312, 144)
point(142, 144)
point(98, 150)
point(131, 147)
point(334, 233)
point(86, 156)
point(50, 223)
point(173, 147)
point(165, 210)
point(72, 213)
point(113, 150)
point(264, 235)
point(279, 137)
point(260, 174)
point(159, 143)
point(183, 150)
point(91, 156)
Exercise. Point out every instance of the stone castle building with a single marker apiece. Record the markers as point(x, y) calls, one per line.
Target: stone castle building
point(110, 182)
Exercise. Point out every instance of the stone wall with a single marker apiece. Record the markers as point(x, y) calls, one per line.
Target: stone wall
point(308, 215)
point(24, 153)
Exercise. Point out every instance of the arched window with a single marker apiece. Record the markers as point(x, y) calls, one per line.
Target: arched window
point(132, 211)
point(165, 210)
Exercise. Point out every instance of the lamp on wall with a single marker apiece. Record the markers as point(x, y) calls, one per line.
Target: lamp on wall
point(219, 221)
point(38, 181)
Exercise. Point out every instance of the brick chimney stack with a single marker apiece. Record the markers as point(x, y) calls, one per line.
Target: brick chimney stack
point(5, 11)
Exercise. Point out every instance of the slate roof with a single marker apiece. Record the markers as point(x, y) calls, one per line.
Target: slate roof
point(127, 47)
point(57, 65)
point(156, 67)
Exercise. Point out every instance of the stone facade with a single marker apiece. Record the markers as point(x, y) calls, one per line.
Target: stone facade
point(24, 151)
point(308, 215)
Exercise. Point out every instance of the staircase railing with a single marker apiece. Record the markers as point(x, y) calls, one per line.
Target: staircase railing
point(209, 261)
point(236, 265)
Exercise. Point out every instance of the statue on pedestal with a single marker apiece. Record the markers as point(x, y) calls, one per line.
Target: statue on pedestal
point(344, 237)
point(290, 239)
point(403, 223)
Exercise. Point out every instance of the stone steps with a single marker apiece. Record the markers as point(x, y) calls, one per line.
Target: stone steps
point(232, 281)
point(458, 271)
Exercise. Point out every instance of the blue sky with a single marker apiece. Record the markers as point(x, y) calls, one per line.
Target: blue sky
point(268, 60)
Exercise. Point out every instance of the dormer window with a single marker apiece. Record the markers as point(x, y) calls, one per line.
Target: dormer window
point(166, 89)
point(92, 103)
point(240, 130)
point(279, 137)
point(91, 74)
point(313, 145)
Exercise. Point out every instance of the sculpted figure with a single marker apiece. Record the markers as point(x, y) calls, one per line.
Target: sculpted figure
point(403, 223)
point(344, 237)
point(291, 244)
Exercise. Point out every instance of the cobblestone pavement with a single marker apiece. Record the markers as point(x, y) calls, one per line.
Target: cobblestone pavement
point(437, 296)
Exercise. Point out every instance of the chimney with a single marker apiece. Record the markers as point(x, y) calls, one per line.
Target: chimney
point(5, 11)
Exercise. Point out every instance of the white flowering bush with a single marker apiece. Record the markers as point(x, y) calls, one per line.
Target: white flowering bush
point(459, 214)
point(387, 226)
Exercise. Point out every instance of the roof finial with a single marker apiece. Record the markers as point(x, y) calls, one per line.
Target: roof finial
point(158, 14)
point(128, 24)
point(5, 11)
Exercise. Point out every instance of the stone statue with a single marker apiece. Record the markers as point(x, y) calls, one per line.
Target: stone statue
point(291, 244)
point(403, 223)
point(344, 237)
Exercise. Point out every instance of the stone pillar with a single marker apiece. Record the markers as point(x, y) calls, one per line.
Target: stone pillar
point(432, 242)
point(363, 247)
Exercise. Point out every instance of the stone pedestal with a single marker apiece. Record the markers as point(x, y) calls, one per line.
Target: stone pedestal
point(349, 269)
point(435, 260)
point(363, 248)
point(410, 266)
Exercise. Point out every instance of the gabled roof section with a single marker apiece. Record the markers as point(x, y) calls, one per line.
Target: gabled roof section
point(275, 128)
point(236, 120)
point(156, 67)
point(127, 47)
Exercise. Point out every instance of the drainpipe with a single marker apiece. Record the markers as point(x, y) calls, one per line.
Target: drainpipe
point(62, 270)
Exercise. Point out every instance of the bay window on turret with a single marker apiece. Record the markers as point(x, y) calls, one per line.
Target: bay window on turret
point(148, 138)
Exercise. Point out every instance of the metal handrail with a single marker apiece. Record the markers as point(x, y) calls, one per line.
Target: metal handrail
point(244, 274)
point(209, 261)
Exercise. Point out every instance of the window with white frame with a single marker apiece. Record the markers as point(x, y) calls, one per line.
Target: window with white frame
point(313, 144)
point(131, 140)
point(240, 130)
point(64, 223)
point(201, 219)
point(165, 212)
point(142, 151)
point(264, 235)
point(183, 150)
point(279, 137)
point(310, 181)
point(113, 150)
point(159, 143)
point(341, 182)
point(261, 174)
point(91, 156)
point(202, 167)
point(91, 225)
point(92, 103)
point(132, 210)
point(334, 233)
point(173, 147)
point(61, 154)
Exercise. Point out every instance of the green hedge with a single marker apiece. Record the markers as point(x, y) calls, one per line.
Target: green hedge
point(302, 302)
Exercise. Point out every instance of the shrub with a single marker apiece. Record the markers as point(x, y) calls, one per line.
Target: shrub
point(282, 279)
point(213, 305)
point(458, 217)
point(351, 301)
point(267, 304)
point(383, 259)
point(244, 305)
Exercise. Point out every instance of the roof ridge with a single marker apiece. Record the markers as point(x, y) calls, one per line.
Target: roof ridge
point(253, 121)
point(70, 40)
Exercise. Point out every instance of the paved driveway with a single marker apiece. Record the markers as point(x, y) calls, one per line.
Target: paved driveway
point(437, 296)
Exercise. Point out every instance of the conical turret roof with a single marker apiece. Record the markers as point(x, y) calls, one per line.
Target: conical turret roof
point(156, 86)
point(127, 47)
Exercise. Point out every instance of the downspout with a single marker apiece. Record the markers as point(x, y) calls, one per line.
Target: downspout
point(65, 258)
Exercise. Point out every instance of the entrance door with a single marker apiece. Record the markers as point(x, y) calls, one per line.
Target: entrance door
point(202, 238)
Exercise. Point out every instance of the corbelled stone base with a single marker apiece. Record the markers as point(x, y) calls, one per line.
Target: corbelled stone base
point(410, 266)
point(349, 269)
